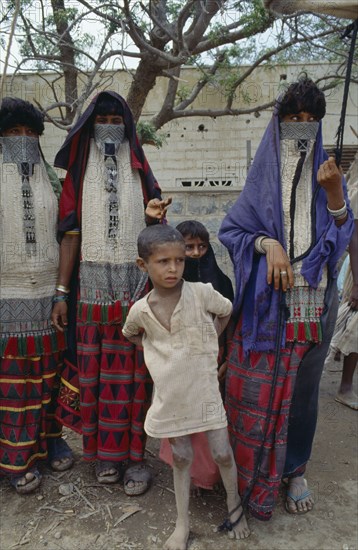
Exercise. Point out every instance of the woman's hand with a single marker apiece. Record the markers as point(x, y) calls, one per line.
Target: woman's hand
point(136, 339)
point(279, 269)
point(59, 316)
point(222, 372)
point(353, 299)
point(156, 208)
point(329, 177)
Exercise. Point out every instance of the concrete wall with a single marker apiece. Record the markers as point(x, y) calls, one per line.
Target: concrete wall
point(203, 163)
point(214, 154)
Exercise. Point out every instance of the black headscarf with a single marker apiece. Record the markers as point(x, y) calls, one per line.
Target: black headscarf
point(206, 270)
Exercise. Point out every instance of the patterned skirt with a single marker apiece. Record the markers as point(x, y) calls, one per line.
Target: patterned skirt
point(258, 419)
point(106, 396)
point(28, 391)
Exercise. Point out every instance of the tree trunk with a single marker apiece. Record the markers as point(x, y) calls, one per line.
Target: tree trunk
point(339, 8)
point(143, 81)
point(68, 59)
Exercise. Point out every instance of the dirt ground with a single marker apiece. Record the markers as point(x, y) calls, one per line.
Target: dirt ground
point(94, 516)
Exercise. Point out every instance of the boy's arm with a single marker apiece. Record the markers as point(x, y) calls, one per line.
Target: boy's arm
point(136, 340)
point(219, 306)
point(131, 330)
point(221, 323)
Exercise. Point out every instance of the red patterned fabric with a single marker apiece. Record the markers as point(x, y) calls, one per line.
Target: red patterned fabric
point(114, 394)
point(258, 429)
point(108, 412)
point(27, 391)
point(68, 409)
point(23, 345)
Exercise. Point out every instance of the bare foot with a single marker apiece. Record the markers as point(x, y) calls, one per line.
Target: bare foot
point(349, 398)
point(299, 499)
point(241, 530)
point(178, 539)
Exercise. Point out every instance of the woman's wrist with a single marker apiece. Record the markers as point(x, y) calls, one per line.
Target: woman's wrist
point(267, 242)
point(335, 199)
point(60, 298)
point(338, 213)
point(151, 221)
point(62, 289)
point(260, 243)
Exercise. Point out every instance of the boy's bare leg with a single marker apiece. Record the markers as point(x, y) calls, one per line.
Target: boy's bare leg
point(222, 454)
point(182, 459)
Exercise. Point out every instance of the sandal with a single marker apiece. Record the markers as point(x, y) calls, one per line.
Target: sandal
point(137, 480)
point(30, 485)
point(104, 473)
point(60, 456)
point(228, 525)
point(296, 498)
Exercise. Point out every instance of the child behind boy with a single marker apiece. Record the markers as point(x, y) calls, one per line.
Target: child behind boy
point(178, 325)
point(200, 262)
point(201, 266)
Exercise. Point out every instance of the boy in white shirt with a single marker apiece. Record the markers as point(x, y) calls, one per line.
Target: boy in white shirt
point(178, 324)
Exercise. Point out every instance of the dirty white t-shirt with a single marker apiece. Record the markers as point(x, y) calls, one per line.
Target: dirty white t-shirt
point(182, 362)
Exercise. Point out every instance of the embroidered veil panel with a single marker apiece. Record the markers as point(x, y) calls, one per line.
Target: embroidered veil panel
point(305, 304)
point(109, 278)
point(28, 276)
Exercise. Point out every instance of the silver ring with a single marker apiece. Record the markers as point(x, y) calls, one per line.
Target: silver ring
point(283, 272)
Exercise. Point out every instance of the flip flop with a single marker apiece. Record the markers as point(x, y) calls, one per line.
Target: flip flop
point(102, 466)
point(137, 474)
point(30, 486)
point(58, 450)
point(297, 498)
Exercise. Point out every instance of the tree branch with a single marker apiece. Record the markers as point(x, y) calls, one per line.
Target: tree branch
point(182, 19)
point(167, 107)
point(201, 84)
point(143, 45)
point(265, 57)
point(7, 56)
point(164, 28)
point(215, 113)
point(192, 37)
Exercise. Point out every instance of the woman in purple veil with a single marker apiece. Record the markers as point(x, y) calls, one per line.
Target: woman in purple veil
point(284, 234)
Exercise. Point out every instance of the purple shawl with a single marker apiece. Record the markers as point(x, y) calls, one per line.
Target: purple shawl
point(258, 211)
